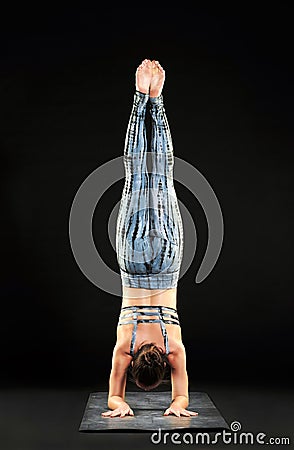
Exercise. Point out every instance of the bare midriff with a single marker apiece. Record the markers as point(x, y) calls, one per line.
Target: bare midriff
point(150, 297)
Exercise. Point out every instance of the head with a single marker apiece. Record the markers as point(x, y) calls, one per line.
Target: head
point(148, 366)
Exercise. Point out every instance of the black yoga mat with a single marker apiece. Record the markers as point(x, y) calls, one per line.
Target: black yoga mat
point(148, 408)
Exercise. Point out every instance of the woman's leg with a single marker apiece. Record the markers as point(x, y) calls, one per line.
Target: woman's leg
point(164, 208)
point(133, 216)
point(166, 217)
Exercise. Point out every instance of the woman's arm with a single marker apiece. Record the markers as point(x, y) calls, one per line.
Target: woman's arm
point(118, 374)
point(179, 380)
point(179, 376)
point(117, 383)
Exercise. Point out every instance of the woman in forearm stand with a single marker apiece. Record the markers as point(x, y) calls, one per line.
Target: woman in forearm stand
point(149, 246)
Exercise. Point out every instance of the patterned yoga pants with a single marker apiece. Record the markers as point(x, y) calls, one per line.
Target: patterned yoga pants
point(149, 229)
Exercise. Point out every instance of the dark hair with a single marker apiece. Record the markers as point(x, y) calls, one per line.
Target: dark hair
point(150, 366)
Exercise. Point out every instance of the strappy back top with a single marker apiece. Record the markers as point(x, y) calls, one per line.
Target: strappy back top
point(141, 314)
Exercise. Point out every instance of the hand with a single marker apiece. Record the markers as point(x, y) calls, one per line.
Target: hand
point(122, 411)
point(178, 411)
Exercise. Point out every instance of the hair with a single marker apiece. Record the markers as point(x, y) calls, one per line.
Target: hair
point(150, 366)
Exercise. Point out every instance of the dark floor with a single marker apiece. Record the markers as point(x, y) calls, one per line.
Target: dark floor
point(41, 419)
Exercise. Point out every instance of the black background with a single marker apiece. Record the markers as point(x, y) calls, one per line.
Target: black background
point(67, 82)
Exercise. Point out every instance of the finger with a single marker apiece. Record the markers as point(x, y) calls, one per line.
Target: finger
point(185, 413)
point(194, 413)
point(115, 413)
point(131, 412)
point(167, 411)
point(177, 413)
point(106, 413)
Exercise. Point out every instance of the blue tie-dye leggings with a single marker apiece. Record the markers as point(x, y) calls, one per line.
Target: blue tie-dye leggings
point(149, 230)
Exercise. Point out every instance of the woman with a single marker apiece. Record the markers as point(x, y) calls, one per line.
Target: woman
point(149, 245)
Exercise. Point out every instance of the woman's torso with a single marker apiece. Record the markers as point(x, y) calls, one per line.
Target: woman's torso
point(156, 305)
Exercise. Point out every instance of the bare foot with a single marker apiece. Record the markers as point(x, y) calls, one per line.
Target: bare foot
point(143, 76)
point(157, 80)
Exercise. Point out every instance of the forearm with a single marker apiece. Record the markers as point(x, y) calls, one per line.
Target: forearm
point(115, 401)
point(180, 400)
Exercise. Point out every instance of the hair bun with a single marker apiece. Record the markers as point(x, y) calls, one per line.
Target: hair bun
point(152, 356)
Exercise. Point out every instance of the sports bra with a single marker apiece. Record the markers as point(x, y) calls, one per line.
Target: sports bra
point(140, 314)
